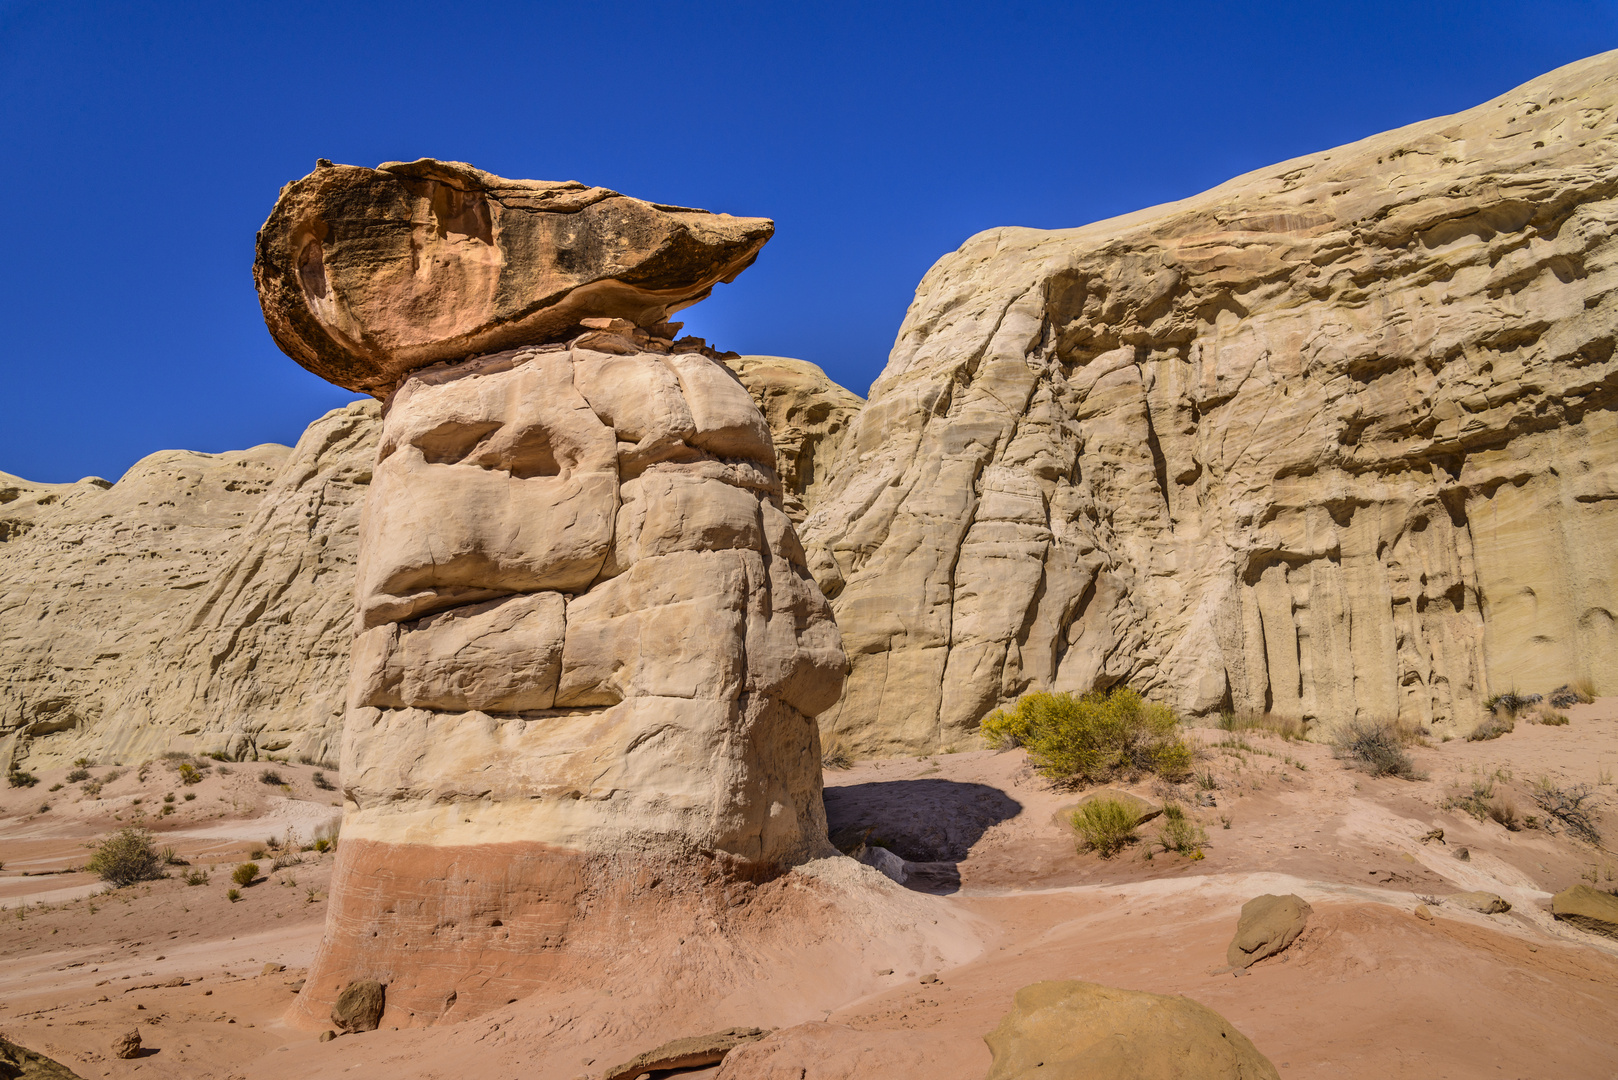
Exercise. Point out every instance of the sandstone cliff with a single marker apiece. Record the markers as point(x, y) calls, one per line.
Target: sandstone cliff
point(810, 418)
point(1334, 438)
point(203, 602)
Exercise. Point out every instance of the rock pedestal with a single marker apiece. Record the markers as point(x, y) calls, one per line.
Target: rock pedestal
point(587, 648)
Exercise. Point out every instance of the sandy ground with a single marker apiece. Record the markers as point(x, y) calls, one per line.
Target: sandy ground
point(1369, 990)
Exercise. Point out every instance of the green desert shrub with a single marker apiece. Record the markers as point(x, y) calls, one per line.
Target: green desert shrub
point(1094, 737)
point(1105, 826)
point(245, 873)
point(233, 895)
point(78, 775)
point(1376, 747)
point(125, 857)
point(21, 778)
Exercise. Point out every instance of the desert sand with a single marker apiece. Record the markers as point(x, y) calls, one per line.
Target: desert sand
point(1368, 990)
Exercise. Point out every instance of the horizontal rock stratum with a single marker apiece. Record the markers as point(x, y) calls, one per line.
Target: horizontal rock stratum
point(367, 274)
point(1335, 438)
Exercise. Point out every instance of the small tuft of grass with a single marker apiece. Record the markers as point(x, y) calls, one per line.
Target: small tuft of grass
point(1105, 826)
point(1287, 727)
point(198, 876)
point(244, 874)
point(78, 775)
point(233, 895)
point(1180, 832)
point(271, 777)
point(320, 781)
point(1501, 722)
point(21, 778)
point(835, 753)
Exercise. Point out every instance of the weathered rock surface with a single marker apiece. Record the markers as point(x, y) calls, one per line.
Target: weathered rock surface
point(360, 1006)
point(810, 418)
point(201, 603)
point(368, 274)
point(127, 1045)
point(691, 1052)
point(819, 1051)
point(587, 649)
point(1588, 909)
point(1334, 438)
point(1484, 903)
point(1267, 925)
point(23, 1064)
point(1083, 1031)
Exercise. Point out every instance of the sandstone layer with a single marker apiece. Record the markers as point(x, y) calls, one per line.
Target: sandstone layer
point(1334, 439)
point(201, 603)
point(367, 274)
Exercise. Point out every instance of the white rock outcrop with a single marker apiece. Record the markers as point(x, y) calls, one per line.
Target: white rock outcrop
point(1335, 438)
point(203, 602)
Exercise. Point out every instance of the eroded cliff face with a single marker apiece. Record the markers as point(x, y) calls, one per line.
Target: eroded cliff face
point(203, 602)
point(1335, 438)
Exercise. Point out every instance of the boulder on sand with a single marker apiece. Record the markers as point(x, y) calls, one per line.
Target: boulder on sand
point(690, 1052)
point(1484, 903)
point(1588, 909)
point(1267, 925)
point(127, 1045)
point(1082, 1031)
point(359, 1007)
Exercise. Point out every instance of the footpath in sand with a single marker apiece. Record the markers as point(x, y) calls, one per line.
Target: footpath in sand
point(1368, 990)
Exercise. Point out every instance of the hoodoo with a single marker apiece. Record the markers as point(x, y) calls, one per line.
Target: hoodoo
point(588, 648)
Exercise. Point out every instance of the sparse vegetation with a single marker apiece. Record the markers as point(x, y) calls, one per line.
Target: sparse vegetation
point(271, 777)
point(57, 787)
point(126, 857)
point(172, 858)
point(198, 876)
point(245, 873)
point(92, 788)
point(1094, 737)
point(1375, 747)
point(1482, 803)
point(81, 763)
point(320, 781)
point(1180, 832)
point(1105, 826)
point(1578, 692)
point(190, 795)
point(189, 773)
point(1570, 807)
point(19, 778)
point(1545, 714)
point(835, 754)
point(233, 895)
point(1498, 723)
point(1286, 727)
point(78, 775)
point(326, 835)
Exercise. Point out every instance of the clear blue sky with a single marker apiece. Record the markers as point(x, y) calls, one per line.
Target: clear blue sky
point(147, 142)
